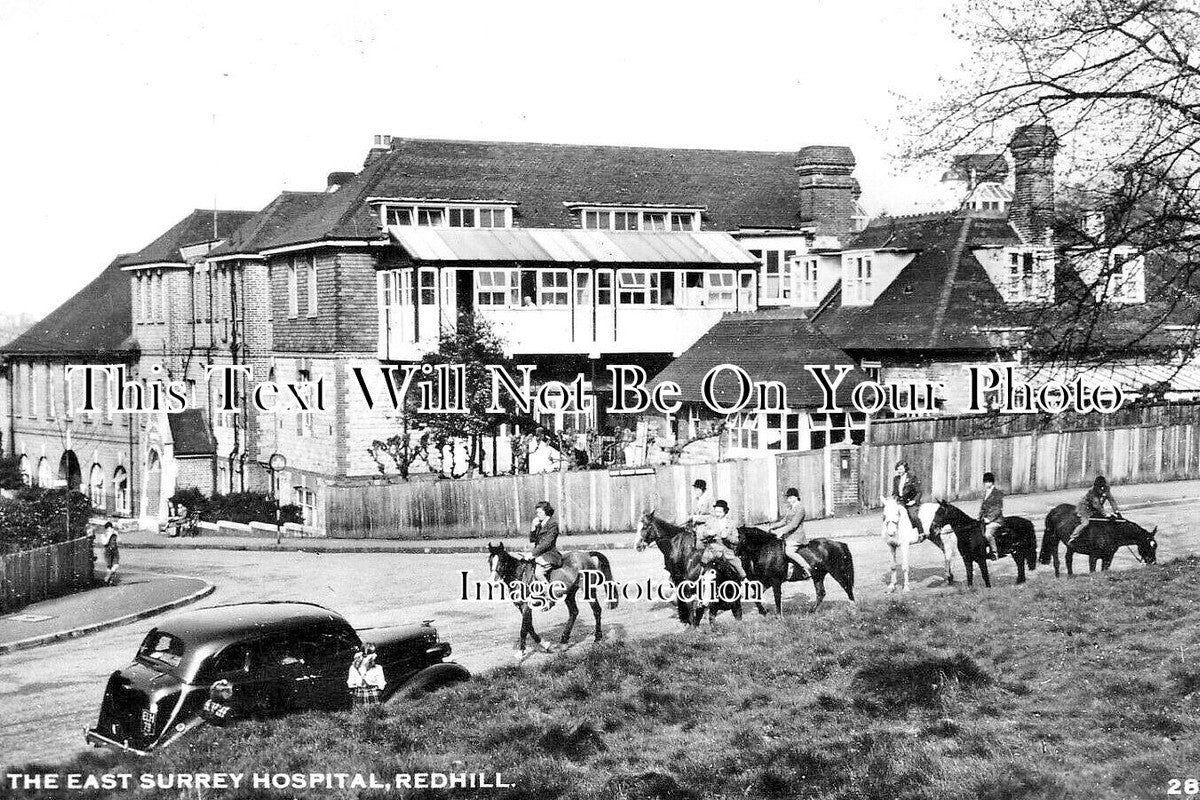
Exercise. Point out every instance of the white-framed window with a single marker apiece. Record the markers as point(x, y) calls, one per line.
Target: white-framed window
point(808, 280)
point(645, 219)
point(554, 287)
point(720, 289)
point(683, 222)
point(776, 270)
point(637, 288)
point(604, 289)
point(293, 290)
point(746, 290)
point(861, 278)
point(33, 391)
point(1030, 275)
point(428, 287)
point(583, 288)
point(307, 500)
point(781, 431)
point(96, 486)
point(23, 468)
point(311, 267)
point(50, 409)
point(743, 431)
point(304, 419)
point(1126, 277)
point(448, 215)
point(497, 287)
point(120, 490)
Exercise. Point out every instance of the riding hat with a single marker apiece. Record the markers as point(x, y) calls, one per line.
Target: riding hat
point(792, 493)
point(901, 463)
point(700, 484)
point(989, 477)
point(722, 505)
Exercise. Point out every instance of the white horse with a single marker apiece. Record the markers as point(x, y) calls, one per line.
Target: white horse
point(899, 534)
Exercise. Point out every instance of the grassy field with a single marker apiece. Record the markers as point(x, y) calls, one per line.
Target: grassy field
point(1083, 688)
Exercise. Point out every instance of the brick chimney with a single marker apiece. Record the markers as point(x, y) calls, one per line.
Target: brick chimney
point(1032, 210)
point(828, 189)
point(382, 144)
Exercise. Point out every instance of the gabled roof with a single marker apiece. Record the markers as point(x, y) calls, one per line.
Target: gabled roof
point(773, 344)
point(196, 228)
point(739, 189)
point(554, 245)
point(97, 320)
point(264, 226)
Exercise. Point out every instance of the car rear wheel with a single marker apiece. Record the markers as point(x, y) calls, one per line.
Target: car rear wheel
point(431, 679)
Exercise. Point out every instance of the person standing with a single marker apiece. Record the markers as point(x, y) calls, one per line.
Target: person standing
point(991, 512)
point(790, 528)
point(112, 553)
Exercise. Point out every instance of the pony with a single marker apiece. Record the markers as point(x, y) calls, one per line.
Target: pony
point(899, 534)
point(715, 573)
point(681, 559)
point(1016, 538)
point(765, 561)
point(507, 568)
point(1099, 541)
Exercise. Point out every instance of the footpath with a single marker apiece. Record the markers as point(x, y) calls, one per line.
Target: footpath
point(1033, 506)
point(136, 596)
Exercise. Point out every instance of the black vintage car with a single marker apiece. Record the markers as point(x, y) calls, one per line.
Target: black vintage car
point(278, 657)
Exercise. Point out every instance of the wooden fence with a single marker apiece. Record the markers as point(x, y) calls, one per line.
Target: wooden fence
point(591, 501)
point(28, 576)
point(1037, 461)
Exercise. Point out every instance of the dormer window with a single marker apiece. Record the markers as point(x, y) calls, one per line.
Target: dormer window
point(862, 279)
point(1030, 276)
point(637, 219)
point(808, 281)
point(437, 215)
point(1126, 278)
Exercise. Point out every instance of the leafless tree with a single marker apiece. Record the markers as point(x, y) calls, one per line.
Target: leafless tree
point(1119, 82)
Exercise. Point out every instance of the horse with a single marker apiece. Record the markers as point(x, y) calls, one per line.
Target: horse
point(899, 534)
point(765, 561)
point(1099, 541)
point(1015, 538)
point(715, 573)
point(507, 568)
point(681, 559)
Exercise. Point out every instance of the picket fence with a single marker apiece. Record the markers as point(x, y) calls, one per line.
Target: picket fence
point(28, 576)
point(586, 501)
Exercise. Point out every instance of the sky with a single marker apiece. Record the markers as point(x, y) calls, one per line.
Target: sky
point(122, 117)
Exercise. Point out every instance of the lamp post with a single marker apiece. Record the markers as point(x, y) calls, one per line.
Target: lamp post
point(274, 464)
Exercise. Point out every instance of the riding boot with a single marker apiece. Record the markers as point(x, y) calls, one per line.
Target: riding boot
point(801, 569)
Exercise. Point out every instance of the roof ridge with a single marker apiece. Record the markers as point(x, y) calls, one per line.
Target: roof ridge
point(939, 315)
point(402, 139)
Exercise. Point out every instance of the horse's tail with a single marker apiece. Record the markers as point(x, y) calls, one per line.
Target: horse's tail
point(601, 561)
point(1031, 547)
point(840, 564)
point(1049, 539)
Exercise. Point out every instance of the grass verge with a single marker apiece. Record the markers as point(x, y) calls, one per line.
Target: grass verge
point(1083, 688)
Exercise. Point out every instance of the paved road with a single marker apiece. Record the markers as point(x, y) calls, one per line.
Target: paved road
point(48, 695)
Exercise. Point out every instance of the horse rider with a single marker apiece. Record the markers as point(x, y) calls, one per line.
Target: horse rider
point(544, 538)
point(720, 538)
point(906, 490)
point(1093, 505)
point(790, 528)
point(701, 508)
point(991, 512)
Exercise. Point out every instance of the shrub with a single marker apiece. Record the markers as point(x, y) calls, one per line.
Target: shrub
point(193, 499)
point(10, 473)
point(37, 517)
point(240, 507)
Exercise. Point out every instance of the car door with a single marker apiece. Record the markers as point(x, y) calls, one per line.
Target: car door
point(277, 680)
point(327, 656)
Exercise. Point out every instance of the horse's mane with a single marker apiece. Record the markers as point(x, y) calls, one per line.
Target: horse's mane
point(956, 514)
point(670, 527)
point(755, 536)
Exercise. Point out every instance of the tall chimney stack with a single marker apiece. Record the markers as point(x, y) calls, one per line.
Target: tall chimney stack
point(1032, 210)
point(382, 143)
point(828, 188)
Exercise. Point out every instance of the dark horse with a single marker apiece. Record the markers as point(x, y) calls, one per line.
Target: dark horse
point(681, 559)
point(1099, 541)
point(507, 568)
point(1016, 539)
point(765, 561)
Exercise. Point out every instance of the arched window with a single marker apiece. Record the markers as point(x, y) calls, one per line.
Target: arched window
point(23, 466)
point(96, 486)
point(45, 478)
point(120, 491)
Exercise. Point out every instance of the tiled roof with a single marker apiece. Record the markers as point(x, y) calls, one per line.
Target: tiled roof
point(97, 320)
point(987, 166)
point(772, 344)
point(530, 245)
point(945, 300)
point(195, 228)
point(191, 433)
point(739, 189)
point(264, 226)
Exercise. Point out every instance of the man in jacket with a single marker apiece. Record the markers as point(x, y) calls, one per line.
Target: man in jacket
point(906, 490)
point(991, 512)
point(790, 528)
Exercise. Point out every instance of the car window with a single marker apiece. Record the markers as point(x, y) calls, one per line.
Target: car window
point(270, 654)
point(161, 650)
point(235, 658)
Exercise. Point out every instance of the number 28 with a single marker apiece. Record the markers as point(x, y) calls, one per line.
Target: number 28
point(1188, 786)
